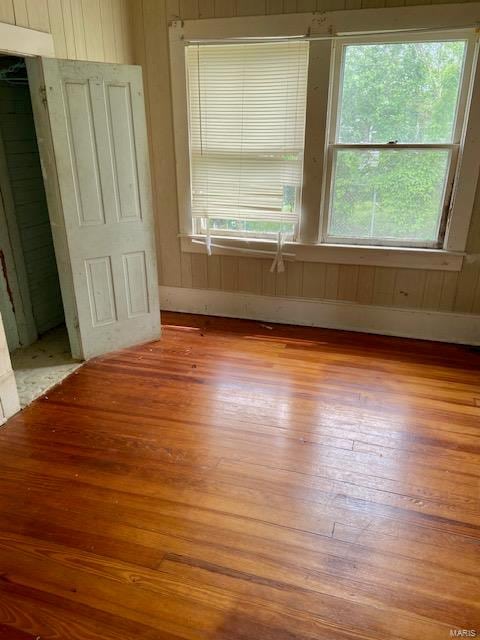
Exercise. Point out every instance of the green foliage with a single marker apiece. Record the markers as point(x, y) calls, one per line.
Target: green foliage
point(404, 92)
point(388, 194)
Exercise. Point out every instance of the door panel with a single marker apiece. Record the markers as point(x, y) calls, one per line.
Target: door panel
point(135, 281)
point(90, 120)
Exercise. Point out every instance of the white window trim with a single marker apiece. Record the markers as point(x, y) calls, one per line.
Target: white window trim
point(321, 28)
point(331, 253)
point(454, 147)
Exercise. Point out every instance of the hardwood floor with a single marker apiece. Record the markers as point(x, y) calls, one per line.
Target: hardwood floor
point(239, 481)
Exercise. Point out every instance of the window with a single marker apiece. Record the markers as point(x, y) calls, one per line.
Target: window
point(395, 135)
point(346, 144)
point(247, 127)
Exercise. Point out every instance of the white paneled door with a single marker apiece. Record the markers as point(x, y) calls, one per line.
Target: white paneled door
point(90, 120)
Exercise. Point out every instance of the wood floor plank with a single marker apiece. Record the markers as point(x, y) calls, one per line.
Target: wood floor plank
point(244, 481)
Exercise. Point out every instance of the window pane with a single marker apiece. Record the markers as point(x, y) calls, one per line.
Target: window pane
point(249, 227)
point(395, 194)
point(247, 128)
point(400, 91)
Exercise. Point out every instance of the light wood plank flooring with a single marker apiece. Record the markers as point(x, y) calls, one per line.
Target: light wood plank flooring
point(239, 481)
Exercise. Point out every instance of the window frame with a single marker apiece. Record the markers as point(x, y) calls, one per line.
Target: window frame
point(332, 146)
point(310, 245)
point(199, 223)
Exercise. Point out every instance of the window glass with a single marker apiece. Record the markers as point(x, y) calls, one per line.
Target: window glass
point(393, 94)
point(247, 126)
point(405, 92)
point(384, 194)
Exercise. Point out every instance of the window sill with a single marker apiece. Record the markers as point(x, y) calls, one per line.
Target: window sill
point(401, 257)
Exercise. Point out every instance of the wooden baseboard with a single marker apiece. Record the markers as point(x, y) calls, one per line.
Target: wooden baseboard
point(461, 328)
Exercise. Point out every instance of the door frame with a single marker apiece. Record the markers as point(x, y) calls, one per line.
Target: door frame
point(33, 45)
point(41, 66)
point(26, 43)
point(23, 42)
point(41, 117)
point(20, 41)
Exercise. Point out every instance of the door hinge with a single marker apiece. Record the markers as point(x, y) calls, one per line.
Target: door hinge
point(43, 94)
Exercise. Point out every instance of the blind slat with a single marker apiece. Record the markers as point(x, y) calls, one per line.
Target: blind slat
point(247, 127)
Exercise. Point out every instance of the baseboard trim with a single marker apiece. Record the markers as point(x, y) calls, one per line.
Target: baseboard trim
point(461, 328)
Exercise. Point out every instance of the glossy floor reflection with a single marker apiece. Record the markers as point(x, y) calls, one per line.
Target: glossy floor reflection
point(243, 481)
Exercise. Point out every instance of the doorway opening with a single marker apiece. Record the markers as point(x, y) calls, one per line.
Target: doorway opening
point(30, 297)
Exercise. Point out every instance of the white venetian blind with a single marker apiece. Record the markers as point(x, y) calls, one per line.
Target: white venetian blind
point(247, 125)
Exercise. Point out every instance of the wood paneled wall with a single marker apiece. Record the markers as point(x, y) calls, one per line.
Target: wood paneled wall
point(412, 288)
point(103, 30)
point(81, 29)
